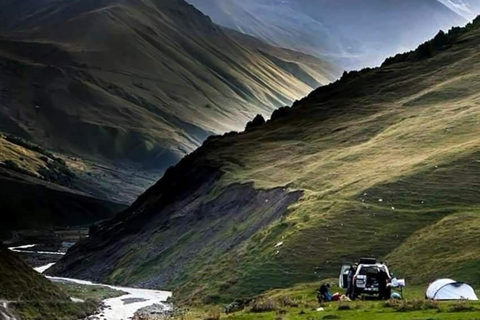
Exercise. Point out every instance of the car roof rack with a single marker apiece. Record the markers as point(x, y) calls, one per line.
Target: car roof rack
point(367, 261)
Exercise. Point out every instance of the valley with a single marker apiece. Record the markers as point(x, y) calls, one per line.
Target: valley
point(209, 160)
point(343, 161)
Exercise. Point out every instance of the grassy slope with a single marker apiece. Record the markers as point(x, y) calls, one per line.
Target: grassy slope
point(32, 296)
point(155, 79)
point(381, 156)
point(406, 134)
point(20, 282)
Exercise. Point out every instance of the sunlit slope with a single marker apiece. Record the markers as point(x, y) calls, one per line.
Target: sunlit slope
point(146, 81)
point(380, 157)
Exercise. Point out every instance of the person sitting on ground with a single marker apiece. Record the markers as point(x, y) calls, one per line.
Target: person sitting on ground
point(323, 294)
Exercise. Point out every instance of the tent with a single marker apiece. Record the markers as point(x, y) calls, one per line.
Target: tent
point(448, 289)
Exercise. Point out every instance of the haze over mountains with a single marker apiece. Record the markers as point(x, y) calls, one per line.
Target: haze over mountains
point(352, 33)
point(383, 163)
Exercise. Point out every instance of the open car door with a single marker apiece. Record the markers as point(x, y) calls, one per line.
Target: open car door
point(342, 279)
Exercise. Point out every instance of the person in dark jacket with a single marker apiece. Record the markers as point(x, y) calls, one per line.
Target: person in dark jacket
point(323, 294)
point(350, 284)
point(383, 289)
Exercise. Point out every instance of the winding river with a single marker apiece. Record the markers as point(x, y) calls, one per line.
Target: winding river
point(120, 308)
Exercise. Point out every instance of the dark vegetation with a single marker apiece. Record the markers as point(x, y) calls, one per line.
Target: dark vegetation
point(442, 41)
point(258, 121)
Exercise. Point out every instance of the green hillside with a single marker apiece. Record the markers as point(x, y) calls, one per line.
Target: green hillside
point(20, 282)
point(384, 162)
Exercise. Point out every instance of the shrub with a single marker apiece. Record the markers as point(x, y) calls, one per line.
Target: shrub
point(288, 302)
point(12, 165)
point(280, 113)
point(258, 121)
point(430, 304)
point(211, 299)
point(263, 305)
point(461, 306)
point(213, 314)
point(343, 306)
point(412, 305)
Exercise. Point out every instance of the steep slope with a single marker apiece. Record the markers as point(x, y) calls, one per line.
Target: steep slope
point(353, 33)
point(18, 281)
point(362, 167)
point(135, 80)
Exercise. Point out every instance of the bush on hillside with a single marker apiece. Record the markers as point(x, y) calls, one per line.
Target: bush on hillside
point(213, 314)
point(12, 165)
point(439, 43)
point(412, 305)
point(280, 113)
point(462, 306)
point(264, 305)
point(258, 121)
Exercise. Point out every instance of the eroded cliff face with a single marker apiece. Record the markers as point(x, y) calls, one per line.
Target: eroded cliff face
point(184, 223)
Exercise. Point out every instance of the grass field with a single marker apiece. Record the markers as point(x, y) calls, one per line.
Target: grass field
point(298, 303)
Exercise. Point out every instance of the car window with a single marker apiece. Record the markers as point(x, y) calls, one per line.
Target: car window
point(369, 270)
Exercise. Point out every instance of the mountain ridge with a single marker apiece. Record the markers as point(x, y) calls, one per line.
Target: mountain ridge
point(137, 67)
point(354, 34)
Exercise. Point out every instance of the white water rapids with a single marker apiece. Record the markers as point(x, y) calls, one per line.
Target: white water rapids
point(120, 308)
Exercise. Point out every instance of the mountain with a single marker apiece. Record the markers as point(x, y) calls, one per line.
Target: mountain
point(136, 81)
point(353, 33)
point(384, 162)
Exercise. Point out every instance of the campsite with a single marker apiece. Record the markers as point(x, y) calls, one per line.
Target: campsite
point(441, 299)
point(299, 303)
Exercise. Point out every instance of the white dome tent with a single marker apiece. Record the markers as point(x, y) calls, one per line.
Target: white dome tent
point(448, 289)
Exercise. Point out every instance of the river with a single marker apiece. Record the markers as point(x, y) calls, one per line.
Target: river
point(120, 308)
